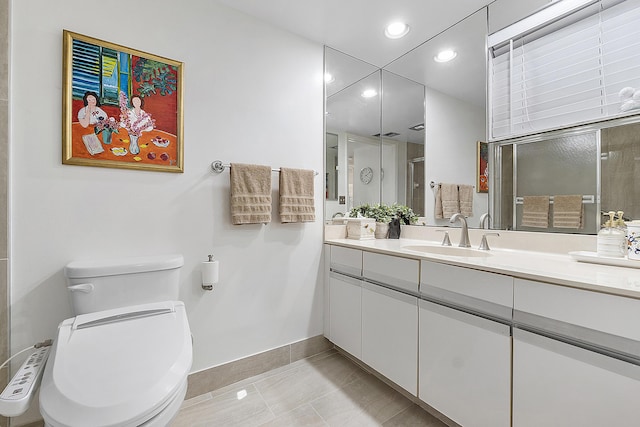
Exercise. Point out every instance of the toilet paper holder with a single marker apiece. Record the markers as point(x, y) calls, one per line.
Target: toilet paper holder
point(210, 271)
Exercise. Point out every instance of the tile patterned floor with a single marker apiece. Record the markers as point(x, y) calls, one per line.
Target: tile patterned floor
point(324, 390)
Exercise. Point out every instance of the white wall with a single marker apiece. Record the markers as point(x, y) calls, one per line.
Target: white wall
point(253, 94)
point(453, 129)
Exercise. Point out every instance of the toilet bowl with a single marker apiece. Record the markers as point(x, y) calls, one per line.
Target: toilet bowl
point(123, 360)
point(119, 367)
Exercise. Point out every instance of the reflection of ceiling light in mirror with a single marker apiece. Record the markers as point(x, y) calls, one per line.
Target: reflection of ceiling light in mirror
point(328, 78)
point(445, 55)
point(369, 93)
point(396, 30)
point(417, 127)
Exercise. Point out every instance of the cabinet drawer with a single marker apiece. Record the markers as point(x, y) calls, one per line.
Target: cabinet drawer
point(346, 260)
point(477, 285)
point(609, 314)
point(402, 273)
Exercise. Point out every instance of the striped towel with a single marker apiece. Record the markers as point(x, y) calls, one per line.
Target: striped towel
point(296, 195)
point(450, 201)
point(466, 200)
point(250, 194)
point(535, 211)
point(568, 211)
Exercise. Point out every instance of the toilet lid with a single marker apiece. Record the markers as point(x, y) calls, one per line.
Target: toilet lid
point(116, 367)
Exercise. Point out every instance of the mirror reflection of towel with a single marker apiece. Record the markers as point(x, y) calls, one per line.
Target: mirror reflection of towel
point(535, 211)
point(568, 211)
point(465, 193)
point(450, 201)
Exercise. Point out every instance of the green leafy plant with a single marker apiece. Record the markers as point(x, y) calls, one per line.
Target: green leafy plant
point(379, 212)
point(154, 76)
point(404, 214)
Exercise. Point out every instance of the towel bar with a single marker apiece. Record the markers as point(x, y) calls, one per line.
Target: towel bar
point(590, 199)
point(433, 184)
point(218, 167)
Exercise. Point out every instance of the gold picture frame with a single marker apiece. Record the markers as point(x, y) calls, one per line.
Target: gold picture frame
point(482, 167)
point(121, 108)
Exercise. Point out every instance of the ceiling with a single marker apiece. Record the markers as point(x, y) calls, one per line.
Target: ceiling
point(356, 27)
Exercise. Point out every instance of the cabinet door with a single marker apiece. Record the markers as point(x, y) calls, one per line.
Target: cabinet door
point(390, 335)
point(345, 312)
point(557, 384)
point(465, 366)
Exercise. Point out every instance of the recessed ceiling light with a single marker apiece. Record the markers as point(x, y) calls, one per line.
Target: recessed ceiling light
point(396, 30)
point(369, 93)
point(328, 78)
point(445, 55)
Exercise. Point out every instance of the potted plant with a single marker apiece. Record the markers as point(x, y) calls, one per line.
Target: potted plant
point(380, 212)
point(404, 213)
point(401, 214)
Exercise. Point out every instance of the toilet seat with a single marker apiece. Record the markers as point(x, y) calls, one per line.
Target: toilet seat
point(118, 367)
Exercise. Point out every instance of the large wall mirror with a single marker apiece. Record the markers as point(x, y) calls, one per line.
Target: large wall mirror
point(374, 136)
point(390, 132)
point(378, 152)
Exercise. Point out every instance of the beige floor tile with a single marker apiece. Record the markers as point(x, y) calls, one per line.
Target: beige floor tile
point(307, 381)
point(364, 402)
point(414, 416)
point(303, 416)
point(272, 373)
point(240, 407)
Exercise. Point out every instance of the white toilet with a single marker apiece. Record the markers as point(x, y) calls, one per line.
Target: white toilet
point(124, 359)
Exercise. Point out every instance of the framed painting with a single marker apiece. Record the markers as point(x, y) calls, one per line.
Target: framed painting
point(482, 169)
point(122, 108)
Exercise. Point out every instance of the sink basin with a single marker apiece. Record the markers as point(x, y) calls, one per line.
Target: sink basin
point(448, 250)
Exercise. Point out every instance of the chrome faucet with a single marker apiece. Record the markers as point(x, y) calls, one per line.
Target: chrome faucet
point(485, 219)
point(464, 233)
point(337, 214)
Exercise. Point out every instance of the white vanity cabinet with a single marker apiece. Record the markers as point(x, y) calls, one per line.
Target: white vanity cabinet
point(390, 318)
point(576, 357)
point(465, 344)
point(345, 299)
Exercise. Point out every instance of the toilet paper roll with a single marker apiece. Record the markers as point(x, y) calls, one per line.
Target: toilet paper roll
point(210, 270)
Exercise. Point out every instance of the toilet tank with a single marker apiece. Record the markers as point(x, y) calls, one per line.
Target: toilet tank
point(102, 284)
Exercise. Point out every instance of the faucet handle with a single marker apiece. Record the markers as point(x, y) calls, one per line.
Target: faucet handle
point(445, 241)
point(484, 246)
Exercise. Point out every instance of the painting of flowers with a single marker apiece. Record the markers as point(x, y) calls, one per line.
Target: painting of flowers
point(122, 108)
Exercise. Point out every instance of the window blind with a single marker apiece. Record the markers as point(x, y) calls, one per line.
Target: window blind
point(86, 68)
point(571, 70)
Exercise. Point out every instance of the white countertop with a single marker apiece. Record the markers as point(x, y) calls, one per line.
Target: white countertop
point(545, 267)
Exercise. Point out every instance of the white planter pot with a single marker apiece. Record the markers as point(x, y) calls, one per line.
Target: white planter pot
point(382, 229)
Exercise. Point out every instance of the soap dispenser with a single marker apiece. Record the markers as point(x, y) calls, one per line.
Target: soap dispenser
point(611, 239)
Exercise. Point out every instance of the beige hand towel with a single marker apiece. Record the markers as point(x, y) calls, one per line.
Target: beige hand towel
point(296, 195)
point(568, 211)
point(250, 194)
point(450, 201)
point(438, 208)
point(465, 193)
point(535, 211)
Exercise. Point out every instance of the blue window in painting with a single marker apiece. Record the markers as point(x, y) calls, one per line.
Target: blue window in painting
point(98, 69)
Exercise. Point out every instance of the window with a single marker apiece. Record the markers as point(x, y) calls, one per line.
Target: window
point(577, 68)
point(101, 70)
